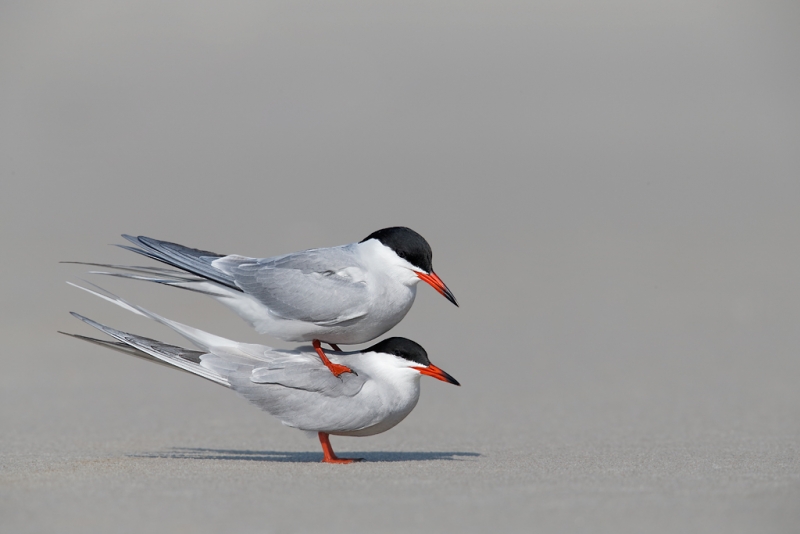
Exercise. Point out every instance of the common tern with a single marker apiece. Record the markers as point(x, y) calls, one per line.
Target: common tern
point(293, 385)
point(340, 295)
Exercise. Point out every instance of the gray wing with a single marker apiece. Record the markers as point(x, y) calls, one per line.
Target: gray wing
point(295, 369)
point(313, 377)
point(302, 393)
point(321, 286)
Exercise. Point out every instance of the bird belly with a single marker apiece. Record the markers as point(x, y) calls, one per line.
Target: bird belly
point(388, 423)
point(374, 409)
point(386, 408)
point(386, 308)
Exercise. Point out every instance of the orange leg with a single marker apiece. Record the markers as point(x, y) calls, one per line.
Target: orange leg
point(334, 368)
point(330, 456)
point(335, 347)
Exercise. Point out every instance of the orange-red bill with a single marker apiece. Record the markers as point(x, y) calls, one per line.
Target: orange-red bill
point(435, 372)
point(437, 284)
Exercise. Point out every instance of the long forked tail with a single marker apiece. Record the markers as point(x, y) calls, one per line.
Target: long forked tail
point(201, 339)
point(168, 277)
point(150, 349)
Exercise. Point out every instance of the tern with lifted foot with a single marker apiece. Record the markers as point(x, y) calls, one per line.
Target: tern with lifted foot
point(340, 295)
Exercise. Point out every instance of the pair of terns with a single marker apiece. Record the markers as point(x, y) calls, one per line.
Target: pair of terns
point(341, 295)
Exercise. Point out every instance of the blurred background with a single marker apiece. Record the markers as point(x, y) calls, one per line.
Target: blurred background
point(610, 190)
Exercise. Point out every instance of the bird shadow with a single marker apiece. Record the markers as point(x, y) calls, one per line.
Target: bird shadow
point(191, 453)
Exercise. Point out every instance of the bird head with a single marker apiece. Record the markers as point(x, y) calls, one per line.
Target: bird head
point(416, 255)
point(413, 356)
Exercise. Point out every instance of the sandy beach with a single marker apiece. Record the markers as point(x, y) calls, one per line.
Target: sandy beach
point(610, 192)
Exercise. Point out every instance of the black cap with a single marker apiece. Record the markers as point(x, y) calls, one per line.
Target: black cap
point(407, 244)
point(403, 348)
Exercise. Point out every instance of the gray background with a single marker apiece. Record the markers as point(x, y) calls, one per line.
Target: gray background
point(611, 191)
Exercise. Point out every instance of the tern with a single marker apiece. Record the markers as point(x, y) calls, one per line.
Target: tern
point(340, 295)
point(293, 385)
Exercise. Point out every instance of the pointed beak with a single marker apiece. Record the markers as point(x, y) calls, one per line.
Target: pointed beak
point(437, 284)
point(437, 373)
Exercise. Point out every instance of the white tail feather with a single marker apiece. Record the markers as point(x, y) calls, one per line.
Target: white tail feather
point(201, 339)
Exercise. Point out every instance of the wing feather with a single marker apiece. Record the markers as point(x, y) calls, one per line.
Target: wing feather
point(314, 377)
point(291, 285)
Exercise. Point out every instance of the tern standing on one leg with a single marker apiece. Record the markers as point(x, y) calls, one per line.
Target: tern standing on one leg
point(340, 295)
point(293, 385)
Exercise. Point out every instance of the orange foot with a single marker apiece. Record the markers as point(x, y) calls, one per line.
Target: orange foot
point(329, 457)
point(334, 368)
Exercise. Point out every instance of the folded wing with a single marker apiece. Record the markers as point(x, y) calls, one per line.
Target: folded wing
point(290, 286)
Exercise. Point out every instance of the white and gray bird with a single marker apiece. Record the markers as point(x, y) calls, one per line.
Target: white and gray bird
point(340, 295)
point(293, 385)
